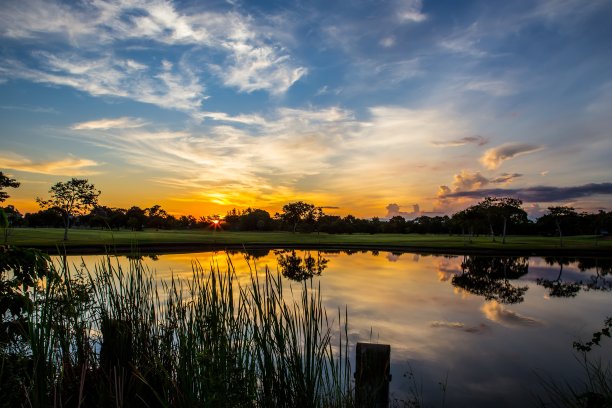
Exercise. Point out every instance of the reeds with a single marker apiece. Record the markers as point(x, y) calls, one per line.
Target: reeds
point(115, 337)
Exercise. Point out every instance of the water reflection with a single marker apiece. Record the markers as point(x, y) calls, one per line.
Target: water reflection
point(299, 268)
point(505, 325)
point(570, 286)
point(490, 277)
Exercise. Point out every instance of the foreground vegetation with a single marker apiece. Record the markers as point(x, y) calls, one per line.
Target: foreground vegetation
point(101, 240)
point(112, 337)
point(71, 337)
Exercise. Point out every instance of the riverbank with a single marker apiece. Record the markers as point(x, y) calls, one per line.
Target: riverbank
point(86, 241)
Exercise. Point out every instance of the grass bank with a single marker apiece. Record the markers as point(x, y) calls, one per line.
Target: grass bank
point(83, 241)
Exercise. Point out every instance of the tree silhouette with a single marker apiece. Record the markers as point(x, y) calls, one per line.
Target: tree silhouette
point(558, 287)
point(296, 268)
point(566, 288)
point(4, 183)
point(490, 277)
point(560, 214)
point(298, 212)
point(71, 198)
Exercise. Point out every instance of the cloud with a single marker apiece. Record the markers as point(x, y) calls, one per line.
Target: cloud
point(481, 328)
point(538, 193)
point(168, 86)
point(263, 160)
point(477, 140)
point(499, 314)
point(492, 87)
point(243, 119)
point(494, 157)
point(243, 52)
point(33, 109)
point(466, 181)
point(393, 210)
point(255, 67)
point(466, 41)
point(470, 185)
point(388, 42)
point(105, 124)
point(505, 178)
point(67, 166)
point(410, 11)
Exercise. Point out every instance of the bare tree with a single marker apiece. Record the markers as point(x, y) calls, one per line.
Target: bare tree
point(71, 198)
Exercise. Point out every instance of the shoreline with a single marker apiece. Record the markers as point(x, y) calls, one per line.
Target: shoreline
point(181, 248)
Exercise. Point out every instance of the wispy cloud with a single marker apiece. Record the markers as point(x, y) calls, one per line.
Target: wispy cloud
point(465, 41)
point(505, 178)
point(243, 54)
point(494, 157)
point(491, 87)
point(105, 124)
point(167, 85)
point(477, 140)
point(33, 109)
point(67, 166)
point(287, 152)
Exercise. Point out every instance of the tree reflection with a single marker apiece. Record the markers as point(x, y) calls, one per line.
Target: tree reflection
point(490, 277)
point(296, 268)
point(560, 287)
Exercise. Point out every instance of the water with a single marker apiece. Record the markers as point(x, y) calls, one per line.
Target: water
point(473, 331)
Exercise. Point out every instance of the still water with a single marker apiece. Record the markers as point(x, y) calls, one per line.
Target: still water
point(464, 330)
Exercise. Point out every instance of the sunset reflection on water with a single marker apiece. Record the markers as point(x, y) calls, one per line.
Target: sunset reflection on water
point(492, 329)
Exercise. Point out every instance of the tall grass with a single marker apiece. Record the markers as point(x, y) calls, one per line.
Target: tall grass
point(115, 337)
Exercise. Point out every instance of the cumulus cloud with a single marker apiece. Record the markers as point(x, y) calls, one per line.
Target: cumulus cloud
point(538, 193)
point(477, 140)
point(393, 210)
point(466, 181)
point(471, 185)
point(67, 166)
point(499, 314)
point(494, 157)
point(104, 124)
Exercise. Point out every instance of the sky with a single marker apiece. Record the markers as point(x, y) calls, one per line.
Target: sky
point(370, 108)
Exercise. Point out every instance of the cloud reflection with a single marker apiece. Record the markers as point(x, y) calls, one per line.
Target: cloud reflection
point(495, 312)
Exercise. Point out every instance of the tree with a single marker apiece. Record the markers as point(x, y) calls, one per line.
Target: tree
point(559, 214)
point(294, 213)
point(136, 218)
point(4, 183)
point(157, 216)
point(71, 198)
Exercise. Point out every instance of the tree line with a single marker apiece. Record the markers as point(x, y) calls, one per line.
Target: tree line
point(74, 203)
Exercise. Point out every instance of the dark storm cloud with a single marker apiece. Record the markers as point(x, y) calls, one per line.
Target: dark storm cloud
point(539, 193)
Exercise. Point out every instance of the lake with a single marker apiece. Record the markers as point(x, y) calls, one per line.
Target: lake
point(485, 329)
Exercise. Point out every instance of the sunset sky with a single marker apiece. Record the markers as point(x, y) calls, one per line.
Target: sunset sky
point(377, 108)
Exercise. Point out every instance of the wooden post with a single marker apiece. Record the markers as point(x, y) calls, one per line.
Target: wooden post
point(372, 376)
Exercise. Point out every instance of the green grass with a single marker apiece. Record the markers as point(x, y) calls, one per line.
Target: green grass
point(50, 238)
